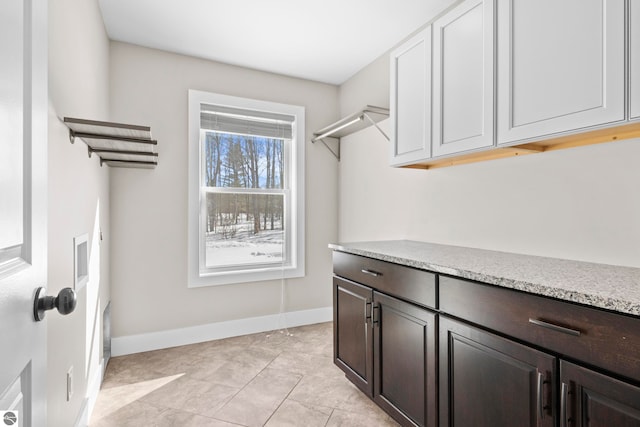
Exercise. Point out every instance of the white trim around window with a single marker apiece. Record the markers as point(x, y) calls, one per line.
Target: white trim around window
point(293, 264)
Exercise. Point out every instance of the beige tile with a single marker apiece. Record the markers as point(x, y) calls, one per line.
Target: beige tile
point(224, 349)
point(306, 364)
point(188, 394)
point(324, 391)
point(257, 355)
point(111, 400)
point(340, 418)
point(282, 378)
point(259, 399)
point(295, 414)
point(175, 418)
point(132, 415)
point(128, 370)
point(283, 339)
point(234, 374)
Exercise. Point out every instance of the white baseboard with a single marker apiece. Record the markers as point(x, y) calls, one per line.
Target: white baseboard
point(131, 344)
point(93, 388)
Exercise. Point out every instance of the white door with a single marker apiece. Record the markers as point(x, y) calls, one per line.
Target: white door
point(23, 201)
point(561, 66)
point(634, 59)
point(463, 52)
point(411, 100)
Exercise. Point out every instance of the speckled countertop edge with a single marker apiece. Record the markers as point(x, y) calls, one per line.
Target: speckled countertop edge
point(609, 287)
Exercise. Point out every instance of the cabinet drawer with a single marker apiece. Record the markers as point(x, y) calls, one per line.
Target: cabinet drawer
point(607, 340)
point(406, 283)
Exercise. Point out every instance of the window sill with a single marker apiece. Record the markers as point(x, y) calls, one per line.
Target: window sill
point(232, 277)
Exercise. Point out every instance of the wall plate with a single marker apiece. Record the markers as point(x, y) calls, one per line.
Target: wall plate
point(80, 261)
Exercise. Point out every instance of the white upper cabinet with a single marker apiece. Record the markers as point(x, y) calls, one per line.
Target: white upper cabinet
point(634, 59)
point(561, 66)
point(411, 100)
point(463, 78)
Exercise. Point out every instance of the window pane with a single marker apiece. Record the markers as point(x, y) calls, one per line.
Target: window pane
point(244, 229)
point(238, 161)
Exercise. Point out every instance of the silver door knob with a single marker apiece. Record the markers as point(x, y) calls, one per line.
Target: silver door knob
point(65, 302)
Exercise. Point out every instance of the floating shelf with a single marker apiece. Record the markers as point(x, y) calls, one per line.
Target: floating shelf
point(117, 144)
point(368, 116)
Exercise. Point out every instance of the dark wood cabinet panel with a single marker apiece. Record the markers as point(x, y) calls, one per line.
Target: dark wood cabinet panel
point(409, 284)
point(469, 359)
point(352, 332)
point(591, 399)
point(489, 381)
point(405, 361)
point(608, 340)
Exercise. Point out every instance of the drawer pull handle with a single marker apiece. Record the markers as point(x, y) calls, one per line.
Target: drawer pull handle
point(556, 328)
point(371, 272)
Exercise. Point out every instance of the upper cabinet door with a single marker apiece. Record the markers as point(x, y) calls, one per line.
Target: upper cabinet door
point(560, 66)
point(463, 73)
point(411, 100)
point(634, 59)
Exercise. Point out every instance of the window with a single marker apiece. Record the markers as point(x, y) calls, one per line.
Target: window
point(246, 190)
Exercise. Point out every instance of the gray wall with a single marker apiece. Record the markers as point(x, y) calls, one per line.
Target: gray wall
point(580, 203)
point(78, 201)
point(149, 208)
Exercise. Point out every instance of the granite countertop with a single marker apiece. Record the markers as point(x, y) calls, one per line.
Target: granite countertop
point(599, 285)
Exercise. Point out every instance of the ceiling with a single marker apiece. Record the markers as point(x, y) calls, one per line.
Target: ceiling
point(326, 40)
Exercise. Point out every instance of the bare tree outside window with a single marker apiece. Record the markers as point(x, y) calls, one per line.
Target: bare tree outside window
point(245, 199)
point(246, 190)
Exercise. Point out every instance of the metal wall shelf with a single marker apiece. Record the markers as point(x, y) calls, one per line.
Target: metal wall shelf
point(117, 144)
point(368, 116)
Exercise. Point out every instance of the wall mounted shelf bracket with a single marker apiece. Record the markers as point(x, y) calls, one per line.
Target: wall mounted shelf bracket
point(368, 116)
point(116, 144)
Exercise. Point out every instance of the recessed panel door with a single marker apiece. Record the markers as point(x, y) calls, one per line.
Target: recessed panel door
point(561, 66)
point(405, 360)
point(352, 333)
point(23, 198)
point(463, 74)
point(488, 381)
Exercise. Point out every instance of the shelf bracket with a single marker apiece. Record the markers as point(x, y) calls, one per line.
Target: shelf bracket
point(368, 116)
point(335, 154)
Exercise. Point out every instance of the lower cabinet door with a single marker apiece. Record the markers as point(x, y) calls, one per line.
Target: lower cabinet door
point(352, 332)
point(490, 381)
point(588, 398)
point(405, 361)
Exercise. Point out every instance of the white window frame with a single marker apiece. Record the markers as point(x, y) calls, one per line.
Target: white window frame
point(198, 274)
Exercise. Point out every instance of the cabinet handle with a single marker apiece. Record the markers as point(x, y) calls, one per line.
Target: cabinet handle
point(556, 328)
point(564, 392)
point(371, 272)
point(367, 313)
point(376, 314)
point(540, 397)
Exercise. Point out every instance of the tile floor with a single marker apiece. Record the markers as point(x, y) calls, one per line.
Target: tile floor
point(268, 379)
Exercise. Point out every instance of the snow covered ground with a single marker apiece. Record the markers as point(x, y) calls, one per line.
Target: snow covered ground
point(244, 247)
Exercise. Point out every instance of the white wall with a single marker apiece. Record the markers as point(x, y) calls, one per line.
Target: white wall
point(581, 203)
point(149, 207)
point(78, 201)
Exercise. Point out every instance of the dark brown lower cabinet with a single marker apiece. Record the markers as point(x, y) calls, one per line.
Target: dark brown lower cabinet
point(404, 361)
point(387, 347)
point(352, 332)
point(490, 381)
point(588, 398)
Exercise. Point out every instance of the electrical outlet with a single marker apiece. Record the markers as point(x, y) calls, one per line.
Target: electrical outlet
point(69, 383)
